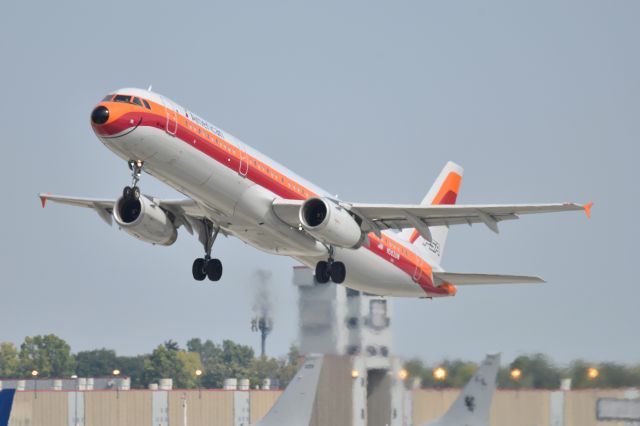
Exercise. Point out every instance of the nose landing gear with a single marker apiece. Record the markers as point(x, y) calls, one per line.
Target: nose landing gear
point(207, 267)
point(330, 270)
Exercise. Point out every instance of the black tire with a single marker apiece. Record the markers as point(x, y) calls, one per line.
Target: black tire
point(136, 192)
point(198, 270)
point(338, 272)
point(214, 269)
point(127, 192)
point(322, 272)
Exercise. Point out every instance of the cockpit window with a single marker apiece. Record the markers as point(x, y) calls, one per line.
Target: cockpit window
point(122, 98)
point(137, 101)
point(107, 98)
point(146, 104)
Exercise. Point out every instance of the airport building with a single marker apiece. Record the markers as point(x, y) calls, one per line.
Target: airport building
point(350, 377)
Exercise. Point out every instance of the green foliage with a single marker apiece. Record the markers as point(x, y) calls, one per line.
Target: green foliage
point(52, 357)
point(96, 363)
point(221, 362)
point(133, 367)
point(232, 360)
point(9, 361)
point(49, 355)
point(538, 372)
point(288, 367)
point(168, 361)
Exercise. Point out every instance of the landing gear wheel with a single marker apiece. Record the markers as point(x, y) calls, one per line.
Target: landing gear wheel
point(198, 269)
point(127, 192)
point(338, 272)
point(136, 192)
point(322, 272)
point(214, 269)
point(207, 267)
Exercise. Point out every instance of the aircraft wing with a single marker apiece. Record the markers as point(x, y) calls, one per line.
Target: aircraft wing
point(378, 217)
point(186, 212)
point(480, 279)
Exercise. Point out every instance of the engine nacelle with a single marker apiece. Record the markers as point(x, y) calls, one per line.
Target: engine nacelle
point(328, 222)
point(145, 220)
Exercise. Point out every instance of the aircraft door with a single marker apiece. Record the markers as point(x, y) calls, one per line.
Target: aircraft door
point(417, 274)
point(243, 168)
point(172, 118)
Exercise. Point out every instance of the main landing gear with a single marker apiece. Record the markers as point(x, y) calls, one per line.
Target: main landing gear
point(136, 170)
point(207, 267)
point(330, 270)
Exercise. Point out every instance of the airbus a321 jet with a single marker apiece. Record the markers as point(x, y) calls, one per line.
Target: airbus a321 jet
point(234, 190)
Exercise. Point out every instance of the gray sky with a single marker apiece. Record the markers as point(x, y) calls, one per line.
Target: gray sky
point(538, 100)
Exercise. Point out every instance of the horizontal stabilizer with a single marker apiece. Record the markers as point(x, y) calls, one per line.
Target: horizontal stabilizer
point(480, 279)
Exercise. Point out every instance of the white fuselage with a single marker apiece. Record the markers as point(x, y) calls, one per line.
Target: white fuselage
point(242, 207)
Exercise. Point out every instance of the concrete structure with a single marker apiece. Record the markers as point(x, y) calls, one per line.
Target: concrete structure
point(359, 375)
point(336, 320)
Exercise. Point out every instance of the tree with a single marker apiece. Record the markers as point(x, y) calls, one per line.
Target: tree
point(538, 372)
point(9, 362)
point(49, 355)
point(287, 367)
point(133, 367)
point(230, 360)
point(166, 362)
point(96, 363)
point(458, 372)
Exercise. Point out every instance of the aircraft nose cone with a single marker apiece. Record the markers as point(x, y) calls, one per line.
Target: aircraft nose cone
point(100, 115)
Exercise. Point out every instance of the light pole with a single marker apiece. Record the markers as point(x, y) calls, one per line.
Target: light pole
point(116, 373)
point(516, 374)
point(198, 375)
point(440, 374)
point(403, 374)
point(34, 374)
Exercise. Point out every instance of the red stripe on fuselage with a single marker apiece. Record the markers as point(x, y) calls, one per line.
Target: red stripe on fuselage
point(230, 157)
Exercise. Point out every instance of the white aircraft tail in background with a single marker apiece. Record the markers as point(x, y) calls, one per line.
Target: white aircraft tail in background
point(295, 405)
point(473, 405)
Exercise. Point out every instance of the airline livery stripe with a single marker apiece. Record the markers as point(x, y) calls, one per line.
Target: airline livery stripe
point(126, 116)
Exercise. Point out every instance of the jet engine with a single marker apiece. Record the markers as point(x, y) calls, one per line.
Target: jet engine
point(330, 223)
point(145, 220)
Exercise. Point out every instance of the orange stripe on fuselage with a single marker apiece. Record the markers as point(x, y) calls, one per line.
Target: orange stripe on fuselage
point(268, 177)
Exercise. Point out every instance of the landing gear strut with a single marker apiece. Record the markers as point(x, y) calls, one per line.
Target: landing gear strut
point(133, 191)
point(207, 267)
point(330, 270)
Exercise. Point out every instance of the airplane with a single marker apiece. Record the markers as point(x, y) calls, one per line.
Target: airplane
point(473, 405)
point(234, 190)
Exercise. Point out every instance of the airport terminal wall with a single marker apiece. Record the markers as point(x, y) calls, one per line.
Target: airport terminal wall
point(235, 408)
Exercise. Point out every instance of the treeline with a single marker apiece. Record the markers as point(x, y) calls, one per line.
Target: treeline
point(51, 356)
point(531, 372)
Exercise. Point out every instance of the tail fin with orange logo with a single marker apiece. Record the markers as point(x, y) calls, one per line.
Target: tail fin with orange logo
point(444, 191)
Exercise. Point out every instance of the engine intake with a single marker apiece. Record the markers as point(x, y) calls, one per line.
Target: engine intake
point(328, 222)
point(145, 220)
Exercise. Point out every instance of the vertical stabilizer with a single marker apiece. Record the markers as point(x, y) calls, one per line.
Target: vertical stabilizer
point(295, 405)
point(473, 405)
point(444, 191)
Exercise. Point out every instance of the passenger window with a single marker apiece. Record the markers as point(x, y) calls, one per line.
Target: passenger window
point(122, 98)
point(107, 98)
point(137, 101)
